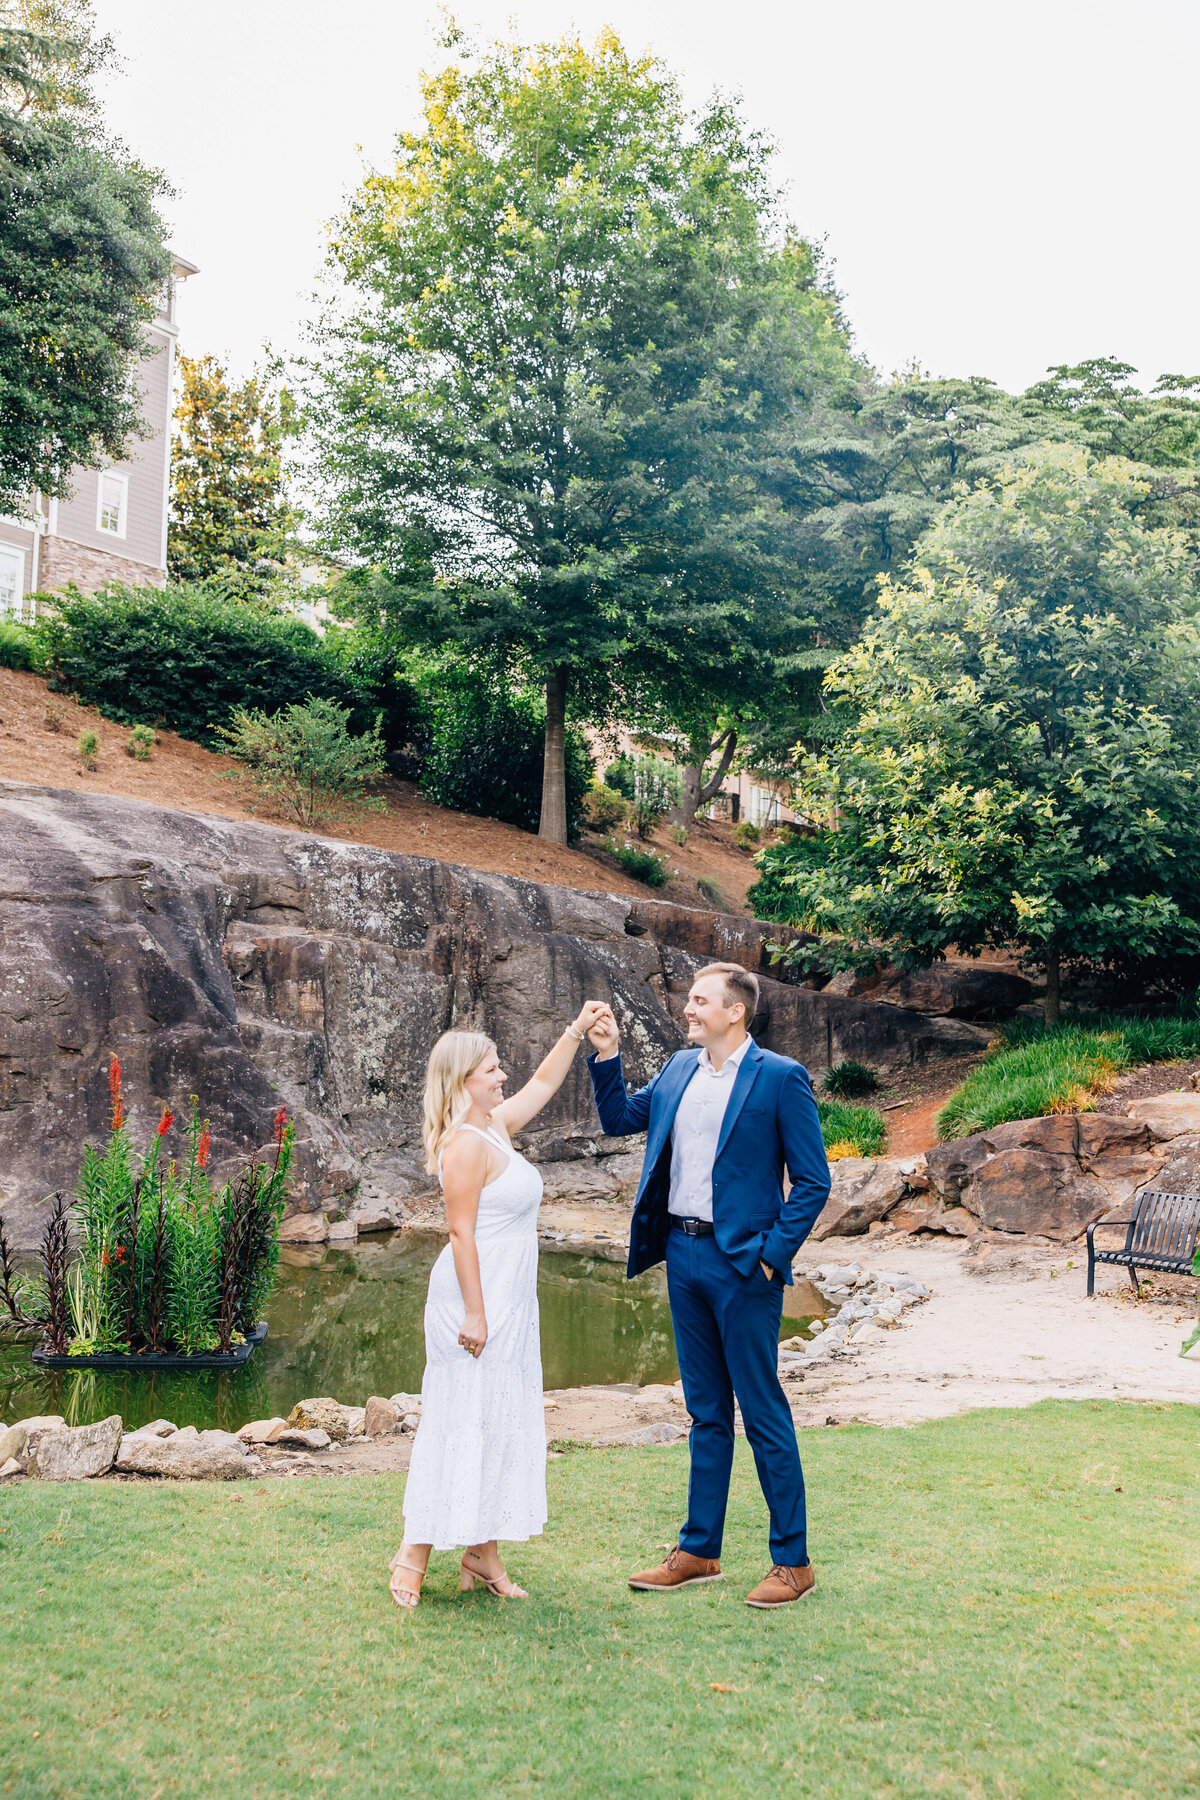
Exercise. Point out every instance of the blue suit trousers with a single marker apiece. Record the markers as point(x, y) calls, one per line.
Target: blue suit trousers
point(727, 1341)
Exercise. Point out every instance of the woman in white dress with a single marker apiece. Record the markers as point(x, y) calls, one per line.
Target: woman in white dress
point(478, 1470)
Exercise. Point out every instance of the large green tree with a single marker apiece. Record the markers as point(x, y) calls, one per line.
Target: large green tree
point(572, 344)
point(1023, 765)
point(231, 518)
point(82, 258)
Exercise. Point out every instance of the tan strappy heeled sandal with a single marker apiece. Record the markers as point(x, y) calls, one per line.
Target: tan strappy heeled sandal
point(468, 1577)
point(404, 1596)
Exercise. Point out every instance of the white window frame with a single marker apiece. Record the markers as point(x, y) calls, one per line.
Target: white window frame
point(111, 475)
point(19, 608)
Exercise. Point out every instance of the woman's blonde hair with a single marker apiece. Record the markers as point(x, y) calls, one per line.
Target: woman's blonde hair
point(455, 1056)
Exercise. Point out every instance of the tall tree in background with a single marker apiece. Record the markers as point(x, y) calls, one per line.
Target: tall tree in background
point(549, 406)
point(1022, 765)
point(231, 520)
point(82, 257)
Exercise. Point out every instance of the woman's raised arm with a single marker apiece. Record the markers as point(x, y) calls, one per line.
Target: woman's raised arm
point(550, 1073)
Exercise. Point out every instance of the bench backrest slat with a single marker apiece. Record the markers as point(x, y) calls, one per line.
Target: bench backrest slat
point(1166, 1226)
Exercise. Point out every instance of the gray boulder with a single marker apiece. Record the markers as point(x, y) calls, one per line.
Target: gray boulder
point(382, 1418)
point(862, 1189)
point(77, 1453)
point(322, 1414)
point(187, 1455)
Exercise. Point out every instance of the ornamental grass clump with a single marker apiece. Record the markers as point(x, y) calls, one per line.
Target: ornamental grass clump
point(163, 1260)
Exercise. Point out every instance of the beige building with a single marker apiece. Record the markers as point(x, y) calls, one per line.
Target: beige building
point(113, 525)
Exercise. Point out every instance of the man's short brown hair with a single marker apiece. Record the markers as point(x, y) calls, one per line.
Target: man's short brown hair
point(740, 984)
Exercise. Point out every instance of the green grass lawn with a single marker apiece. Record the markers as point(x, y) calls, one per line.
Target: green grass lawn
point(1007, 1605)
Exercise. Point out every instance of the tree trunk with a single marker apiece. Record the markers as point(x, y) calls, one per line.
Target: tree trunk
point(697, 792)
point(553, 824)
point(1051, 1003)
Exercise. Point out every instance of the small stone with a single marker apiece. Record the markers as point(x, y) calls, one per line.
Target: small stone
point(292, 1436)
point(10, 1468)
point(304, 1228)
point(342, 1231)
point(77, 1453)
point(322, 1414)
point(411, 1421)
point(356, 1420)
point(383, 1417)
point(13, 1442)
point(373, 1219)
point(156, 1428)
point(408, 1403)
point(258, 1431)
point(647, 1434)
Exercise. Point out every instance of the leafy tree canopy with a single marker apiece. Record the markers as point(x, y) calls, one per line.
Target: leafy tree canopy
point(573, 341)
point(82, 256)
point(231, 520)
point(1023, 764)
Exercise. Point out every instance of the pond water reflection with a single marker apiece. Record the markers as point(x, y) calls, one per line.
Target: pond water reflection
point(347, 1322)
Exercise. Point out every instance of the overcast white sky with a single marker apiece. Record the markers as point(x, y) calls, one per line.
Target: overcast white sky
point(1002, 185)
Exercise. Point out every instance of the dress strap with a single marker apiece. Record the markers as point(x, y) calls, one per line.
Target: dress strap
point(489, 1134)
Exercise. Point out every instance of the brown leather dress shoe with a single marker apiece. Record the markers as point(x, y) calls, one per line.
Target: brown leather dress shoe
point(783, 1585)
point(681, 1569)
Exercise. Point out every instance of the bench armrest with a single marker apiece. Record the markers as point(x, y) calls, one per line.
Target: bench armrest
point(1093, 1228)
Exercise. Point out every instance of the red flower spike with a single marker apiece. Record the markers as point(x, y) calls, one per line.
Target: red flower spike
point(280, 1122)
point(202, 1148)
point(114, 1076)
point(118, 1114)
point(166, 1122)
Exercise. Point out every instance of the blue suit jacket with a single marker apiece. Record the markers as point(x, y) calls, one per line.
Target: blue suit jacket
point(770, 1121)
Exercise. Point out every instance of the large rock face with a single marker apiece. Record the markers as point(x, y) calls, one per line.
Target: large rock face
point(250, 965)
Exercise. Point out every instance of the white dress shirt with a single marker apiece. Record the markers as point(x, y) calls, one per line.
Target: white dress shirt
point(695, 1133)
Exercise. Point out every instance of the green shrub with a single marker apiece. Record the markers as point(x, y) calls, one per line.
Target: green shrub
point(642, 865)
point(679, 835)
point(88, 746)
point(619, 777)
point(20, 647)
point(850, 1081)
point(851, 1130)
point(485, 750)
point(773, 895)
point(603, 807)
point(1061, 1068)
point(305, 760)
point(142, 740)
point(186, 658)
point(746, 836)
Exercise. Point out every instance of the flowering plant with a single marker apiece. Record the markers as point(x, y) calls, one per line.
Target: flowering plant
point(165, 1260)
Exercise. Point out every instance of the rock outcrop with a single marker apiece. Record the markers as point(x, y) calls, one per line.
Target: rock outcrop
point(251, 965)
point(1051, 1176)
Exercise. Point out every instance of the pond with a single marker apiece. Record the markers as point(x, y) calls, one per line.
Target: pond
point(348, 1323)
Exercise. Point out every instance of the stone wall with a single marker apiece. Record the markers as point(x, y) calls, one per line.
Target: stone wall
point(63, 562)
point(249, 965)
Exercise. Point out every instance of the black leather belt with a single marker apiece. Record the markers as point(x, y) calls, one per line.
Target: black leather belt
point(693, 1227)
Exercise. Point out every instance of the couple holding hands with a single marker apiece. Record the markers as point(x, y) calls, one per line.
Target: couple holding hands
point(723, 1119)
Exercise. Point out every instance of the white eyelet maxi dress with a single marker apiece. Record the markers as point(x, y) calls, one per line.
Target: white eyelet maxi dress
point(478, 1466)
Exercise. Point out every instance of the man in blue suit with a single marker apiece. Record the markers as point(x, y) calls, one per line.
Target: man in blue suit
point(722, 1119)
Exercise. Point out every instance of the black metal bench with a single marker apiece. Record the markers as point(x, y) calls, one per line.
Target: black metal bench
point(1162, 1236)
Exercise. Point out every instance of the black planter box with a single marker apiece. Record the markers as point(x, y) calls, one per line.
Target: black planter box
point(127, 1360)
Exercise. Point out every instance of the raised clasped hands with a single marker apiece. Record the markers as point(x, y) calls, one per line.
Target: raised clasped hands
point(589, 1012)
point(603, 1031)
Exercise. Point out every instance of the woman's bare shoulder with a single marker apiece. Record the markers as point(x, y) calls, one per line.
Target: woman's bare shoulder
point(464, 1153)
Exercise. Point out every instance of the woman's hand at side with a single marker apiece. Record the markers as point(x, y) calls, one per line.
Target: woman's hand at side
point(473, 1335)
